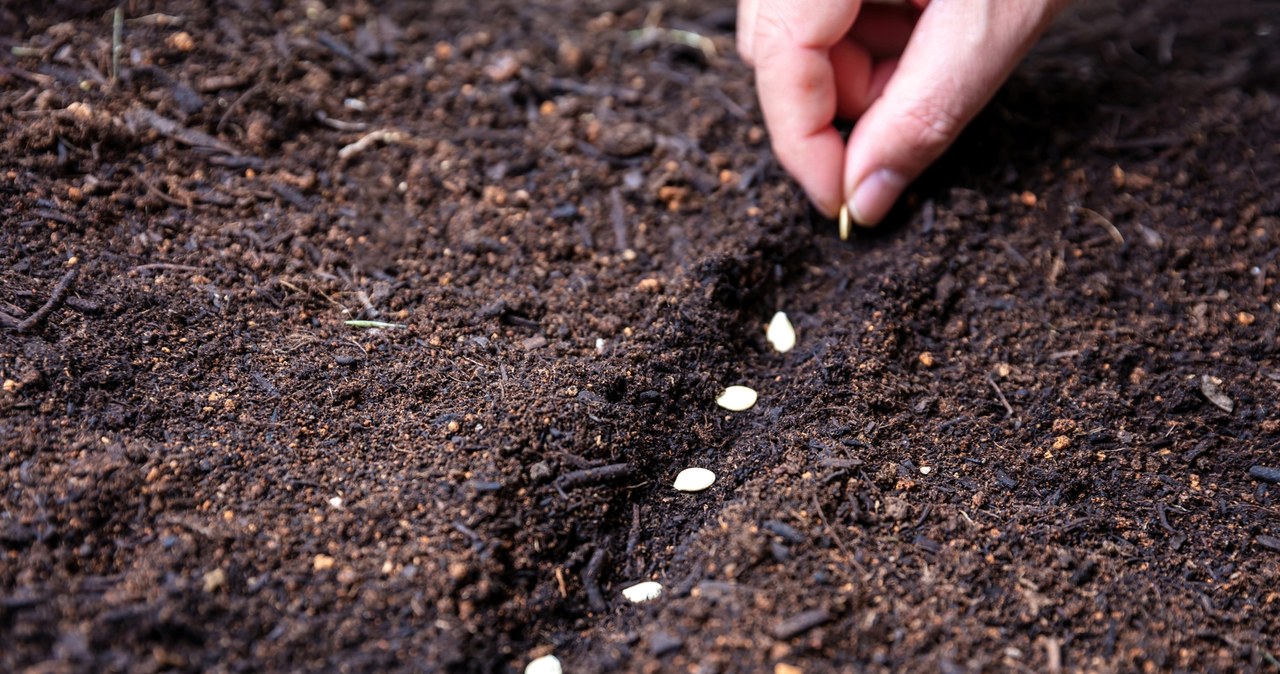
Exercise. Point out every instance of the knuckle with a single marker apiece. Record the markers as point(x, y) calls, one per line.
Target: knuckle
point(930, 127)
point(774, 28)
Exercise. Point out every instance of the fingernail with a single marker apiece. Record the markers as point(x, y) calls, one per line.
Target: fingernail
point(875, 195)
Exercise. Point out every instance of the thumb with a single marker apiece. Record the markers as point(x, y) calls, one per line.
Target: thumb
point(959, 54)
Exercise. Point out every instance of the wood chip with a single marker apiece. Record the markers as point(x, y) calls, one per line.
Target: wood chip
point(737, 398)
point(1265, 473)
point(642, 592)
point(1210, 388)
point(139, 117)
point(694, 479)
point(780, 333)
point(800, 623)
point(547, 664)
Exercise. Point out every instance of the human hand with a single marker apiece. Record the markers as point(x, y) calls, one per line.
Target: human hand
point(912, 75)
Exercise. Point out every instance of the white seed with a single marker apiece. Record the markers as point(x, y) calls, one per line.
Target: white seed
point(780, 333)
point(642, 592)
point(547, 664)
point(336, 502)
point(694, 479)
point(925, 470)
point(844, 222)
point(737, 398)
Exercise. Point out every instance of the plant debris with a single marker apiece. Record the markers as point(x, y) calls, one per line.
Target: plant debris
point(1210, 387)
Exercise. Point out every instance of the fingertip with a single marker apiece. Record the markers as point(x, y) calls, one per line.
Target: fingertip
point(873, 198)
point(815, 164)
point(956, 59)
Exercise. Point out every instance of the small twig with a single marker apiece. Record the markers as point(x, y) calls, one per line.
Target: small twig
point(159, 19)
point(1000, 394)
point(561, 85)
point(366, 141)
point(618, 219)
point(339, 124)
point(817, 506)
point(633, 538)
point(1164, 519)
point(590, 476)
point(60, 218)
point(117, 42)
point(55, 300)
point(341, 50)
point(467, 531)
point(173, 520)
point(139, 117)
point(236, 104)
point(167, 266)
point(800, 623)
point(591, 577)
point(1106, 224)
point(161, 194)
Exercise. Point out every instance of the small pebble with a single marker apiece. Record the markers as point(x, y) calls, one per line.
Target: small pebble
point(642, 592)
point(925, 470)
point(737, 398)
point(780, 333)
point(662, 643)
point(214, 580)
point(547, 664)
point(694, 479)
point(336, 502)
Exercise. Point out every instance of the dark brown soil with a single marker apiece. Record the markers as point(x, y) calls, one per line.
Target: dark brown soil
point(583, 232)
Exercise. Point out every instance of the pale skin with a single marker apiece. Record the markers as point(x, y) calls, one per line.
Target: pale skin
point(912, 74)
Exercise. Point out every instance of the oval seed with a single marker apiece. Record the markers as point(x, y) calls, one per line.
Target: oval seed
point(844, 222)
point(737, 398)
point(780, 333)
point(642, 592)
point(694, 479)
point(547, 664)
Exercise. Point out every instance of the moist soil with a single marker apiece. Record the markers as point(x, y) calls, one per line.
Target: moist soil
point(1027, 426)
